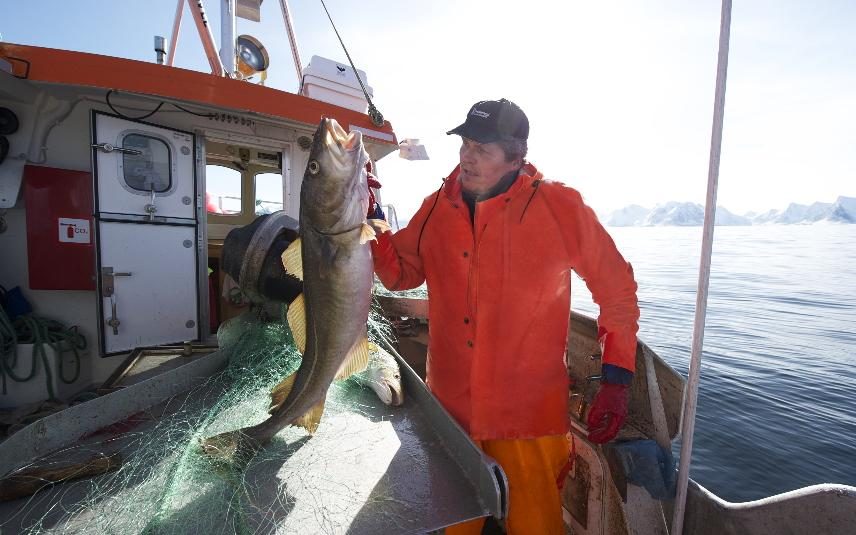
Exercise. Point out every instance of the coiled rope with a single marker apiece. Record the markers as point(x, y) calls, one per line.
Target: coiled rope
point(41, 333)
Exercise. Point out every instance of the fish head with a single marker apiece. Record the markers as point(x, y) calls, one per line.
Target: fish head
point(386, 383)
point(335, 193)
point(384, 377)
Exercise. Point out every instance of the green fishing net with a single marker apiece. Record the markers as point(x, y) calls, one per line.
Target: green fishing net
point(166, 485)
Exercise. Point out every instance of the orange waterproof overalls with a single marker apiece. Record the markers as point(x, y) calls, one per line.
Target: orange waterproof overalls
point(499, 291)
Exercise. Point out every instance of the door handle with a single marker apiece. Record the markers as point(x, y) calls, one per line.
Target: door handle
point(109, 290)
point(107, 147)
point(107, 280)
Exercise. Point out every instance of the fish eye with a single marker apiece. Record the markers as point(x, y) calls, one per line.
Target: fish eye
point(314, 167)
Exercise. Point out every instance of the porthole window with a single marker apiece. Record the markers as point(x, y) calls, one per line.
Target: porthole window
point(148, 168)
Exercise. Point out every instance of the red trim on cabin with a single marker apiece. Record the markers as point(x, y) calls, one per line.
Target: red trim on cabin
point(93, 70)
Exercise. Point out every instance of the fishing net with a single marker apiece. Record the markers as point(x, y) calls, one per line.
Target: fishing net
point(165, 483)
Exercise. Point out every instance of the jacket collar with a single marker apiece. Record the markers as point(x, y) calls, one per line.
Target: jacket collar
point(528, 175)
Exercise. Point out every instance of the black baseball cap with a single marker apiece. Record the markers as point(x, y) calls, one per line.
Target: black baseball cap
point(494, 120)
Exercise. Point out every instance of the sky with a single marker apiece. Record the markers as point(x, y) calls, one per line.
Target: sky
point(619, 94)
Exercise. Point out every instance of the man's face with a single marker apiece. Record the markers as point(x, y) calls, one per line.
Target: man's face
point(483, 165)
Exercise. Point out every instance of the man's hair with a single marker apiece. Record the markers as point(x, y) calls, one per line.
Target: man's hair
point(513, 148)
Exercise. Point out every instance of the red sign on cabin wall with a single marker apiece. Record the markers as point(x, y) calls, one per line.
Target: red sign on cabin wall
point(60, 245)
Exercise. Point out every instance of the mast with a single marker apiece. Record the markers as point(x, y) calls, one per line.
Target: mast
point(292, 39)
point(197, 9)
point(691, 395)
point(176, 27)
point(227, 35)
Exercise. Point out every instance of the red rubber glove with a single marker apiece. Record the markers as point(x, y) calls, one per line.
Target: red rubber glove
point(608, 412)
point(375, 211)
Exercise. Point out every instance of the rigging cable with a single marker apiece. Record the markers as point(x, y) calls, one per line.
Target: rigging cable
point(123, 116)
point(375, 115)
point(154, 111)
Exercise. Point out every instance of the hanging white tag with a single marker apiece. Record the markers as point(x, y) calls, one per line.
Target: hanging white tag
point(411, 149)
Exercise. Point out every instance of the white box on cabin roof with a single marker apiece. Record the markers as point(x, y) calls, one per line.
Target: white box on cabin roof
point(335, 83)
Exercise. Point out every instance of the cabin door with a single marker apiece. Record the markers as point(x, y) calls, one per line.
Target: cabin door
point(147, 234)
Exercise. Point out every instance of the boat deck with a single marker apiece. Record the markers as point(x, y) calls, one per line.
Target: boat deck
point(368, 469)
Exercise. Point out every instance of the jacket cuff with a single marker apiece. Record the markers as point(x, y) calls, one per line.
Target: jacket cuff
point(616, 375)
point(386, 262)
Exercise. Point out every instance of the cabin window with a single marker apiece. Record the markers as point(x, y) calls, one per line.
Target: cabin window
point(268, 193)
point(150, 169)
point(223, 190)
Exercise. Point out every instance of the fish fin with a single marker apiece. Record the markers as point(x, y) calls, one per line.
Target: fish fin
point(292, 259)
point(297, 321)
point(379, 225)
point(367, 233)
point(312, 418)
point(357, 359)
point(280, 392)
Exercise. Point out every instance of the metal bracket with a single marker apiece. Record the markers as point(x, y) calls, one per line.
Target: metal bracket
point(151, 208)
point(108, 290)
point(107, 285)
point(114, 320)
point(108, 148)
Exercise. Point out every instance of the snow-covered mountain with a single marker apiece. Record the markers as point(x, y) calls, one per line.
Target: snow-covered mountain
point(681, 214)
point(724, 217)
point(629, 216)
point(684, 214)
point(843, 210)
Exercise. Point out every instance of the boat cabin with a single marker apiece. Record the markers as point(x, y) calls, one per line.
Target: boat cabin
point(120, 182)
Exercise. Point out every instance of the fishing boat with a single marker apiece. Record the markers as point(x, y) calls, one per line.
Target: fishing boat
point(109, 224)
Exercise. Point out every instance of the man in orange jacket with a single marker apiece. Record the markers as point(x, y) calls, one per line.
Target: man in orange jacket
point(496, 244)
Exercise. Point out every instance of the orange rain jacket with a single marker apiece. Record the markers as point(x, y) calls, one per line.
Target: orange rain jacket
point(499, 299)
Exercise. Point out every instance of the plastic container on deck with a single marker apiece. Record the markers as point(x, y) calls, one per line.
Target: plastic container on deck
point(335, 83)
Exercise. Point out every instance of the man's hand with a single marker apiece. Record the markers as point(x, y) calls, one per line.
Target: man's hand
point(608, 411)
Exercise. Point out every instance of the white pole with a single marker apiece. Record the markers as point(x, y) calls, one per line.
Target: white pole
point(176, 27)
point(691, 396)
point(292, 39)
point(227, 35)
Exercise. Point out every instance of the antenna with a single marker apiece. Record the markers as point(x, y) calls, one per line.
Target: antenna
point(160, 48)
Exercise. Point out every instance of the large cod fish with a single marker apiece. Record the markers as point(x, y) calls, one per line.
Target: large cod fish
point(333, 258)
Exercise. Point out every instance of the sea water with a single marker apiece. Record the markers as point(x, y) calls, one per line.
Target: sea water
point(777, 399)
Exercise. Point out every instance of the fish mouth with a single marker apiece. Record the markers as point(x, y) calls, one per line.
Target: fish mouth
point(389, 393)
point(397, 396)
point(335, 135)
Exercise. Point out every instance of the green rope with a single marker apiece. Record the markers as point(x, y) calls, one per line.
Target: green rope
point(40, 332)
